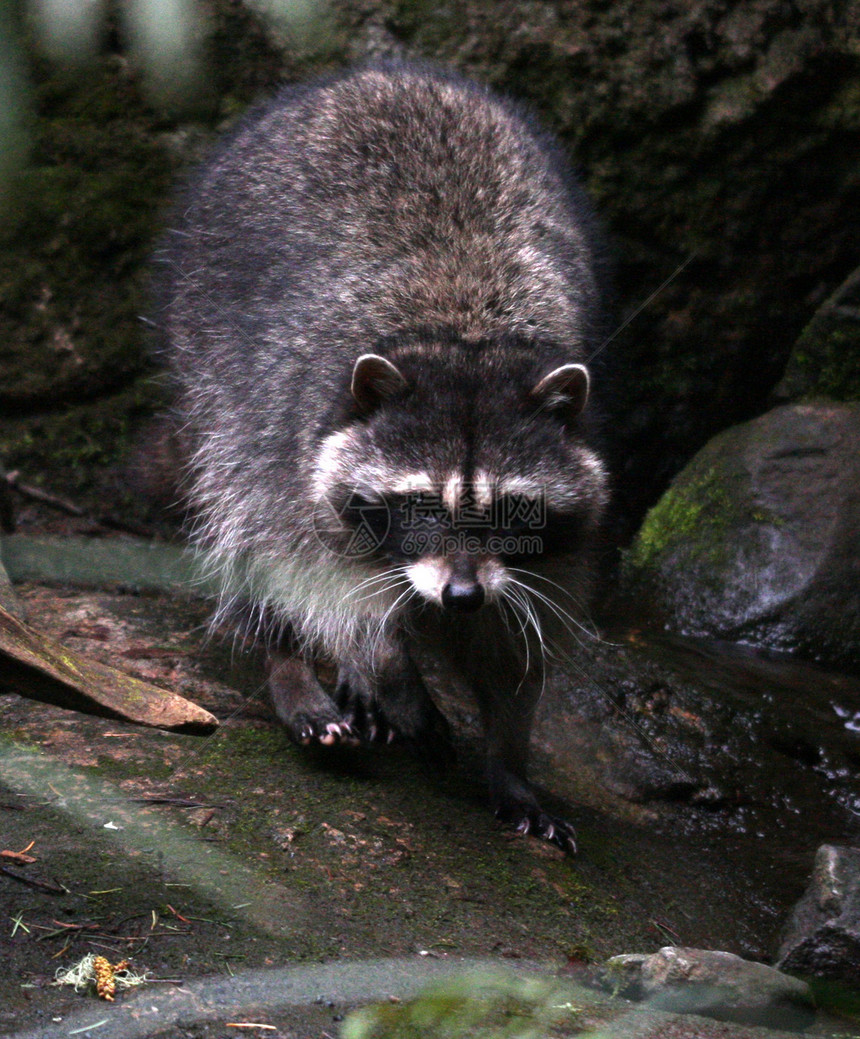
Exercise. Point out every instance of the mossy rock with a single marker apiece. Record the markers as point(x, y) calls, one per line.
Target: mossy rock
point(757, 539)
point(94, 453)
point(73, 267)
point(484, 1006)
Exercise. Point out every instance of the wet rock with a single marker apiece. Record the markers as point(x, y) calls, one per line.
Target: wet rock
point(758, 539)
point(622, 975)
point(102, 563)
point(823, 935)
point(715, 984)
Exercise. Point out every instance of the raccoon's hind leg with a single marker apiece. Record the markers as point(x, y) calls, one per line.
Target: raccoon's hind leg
point(507, 700)
point(301, 703)
point(391, 703)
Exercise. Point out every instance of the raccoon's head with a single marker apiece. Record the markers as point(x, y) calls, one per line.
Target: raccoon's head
point(459, 466)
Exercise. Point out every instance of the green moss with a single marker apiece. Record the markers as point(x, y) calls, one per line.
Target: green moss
point(73, 263)
point(699, 516)
point(246, 748)
point(825, 361)
point(109, 768)
point(679, 514)
point(838, 997)
point(342, 832)
point(481, 1006)
point(433, 27)
point(78, 450)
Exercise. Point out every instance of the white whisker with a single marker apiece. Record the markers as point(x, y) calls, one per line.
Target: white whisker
point(394, 571)
point(564, 616)
point(577, 603)
point(380, 626)
point(569, 624)
point(520, 597)
point(392, 581)
point(518, 604)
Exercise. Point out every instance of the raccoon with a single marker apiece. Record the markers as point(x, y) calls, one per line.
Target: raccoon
point(380, 297)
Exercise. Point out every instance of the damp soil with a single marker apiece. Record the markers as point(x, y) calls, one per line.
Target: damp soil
point(697, 805)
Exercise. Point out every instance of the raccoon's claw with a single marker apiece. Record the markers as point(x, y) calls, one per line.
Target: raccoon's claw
point(368, 726)
point(361, 710)
point(528, 819)
point(338, 732)
point(394, 712)
point(303, 706)
point(327, 733)
point(354, 696)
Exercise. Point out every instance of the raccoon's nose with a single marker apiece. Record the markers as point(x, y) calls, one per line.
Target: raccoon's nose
point(462, 595)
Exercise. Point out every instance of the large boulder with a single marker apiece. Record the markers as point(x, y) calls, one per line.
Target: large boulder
point(758, 538)
point(825, 360)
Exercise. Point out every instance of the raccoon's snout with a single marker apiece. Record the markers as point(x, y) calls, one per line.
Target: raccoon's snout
point(463, 590)
point(458, 583)
point(459, 595)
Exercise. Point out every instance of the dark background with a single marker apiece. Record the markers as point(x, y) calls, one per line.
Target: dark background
point(719, 142)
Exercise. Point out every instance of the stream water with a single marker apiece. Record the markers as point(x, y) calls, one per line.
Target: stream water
point(719, 754)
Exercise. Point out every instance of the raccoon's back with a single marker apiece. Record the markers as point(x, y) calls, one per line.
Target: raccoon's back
point(392, 197)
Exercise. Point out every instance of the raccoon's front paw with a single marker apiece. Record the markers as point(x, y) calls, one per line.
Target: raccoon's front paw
point(396, 712)
point(303, 707)
point(528, 818)
point(516, 806)
point(356, 698)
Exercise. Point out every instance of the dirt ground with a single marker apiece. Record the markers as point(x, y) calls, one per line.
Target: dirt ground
point(198, 857)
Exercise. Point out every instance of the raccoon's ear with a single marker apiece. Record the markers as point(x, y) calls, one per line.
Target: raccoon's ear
point(374, 380)
point(564, 390)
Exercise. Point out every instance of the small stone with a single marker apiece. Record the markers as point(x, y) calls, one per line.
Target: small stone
point(714, 984)
point(622, 975)
point(823, 935)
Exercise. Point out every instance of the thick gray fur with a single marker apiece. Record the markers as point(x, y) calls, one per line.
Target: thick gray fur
point(400, 211)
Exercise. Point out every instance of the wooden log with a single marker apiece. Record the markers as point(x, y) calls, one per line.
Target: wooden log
point(39, 668)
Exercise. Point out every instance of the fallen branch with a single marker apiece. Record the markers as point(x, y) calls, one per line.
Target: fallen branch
point(26, 490)
point(39, 668)
point(39, 885)
point(12, 481)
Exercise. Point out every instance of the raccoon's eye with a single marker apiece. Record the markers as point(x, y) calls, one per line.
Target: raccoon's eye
point(357, 500)
point(420, 510)
point(545, 532)
point(373, 514)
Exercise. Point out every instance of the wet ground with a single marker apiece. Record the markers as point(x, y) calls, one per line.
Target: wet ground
point(700, 783)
